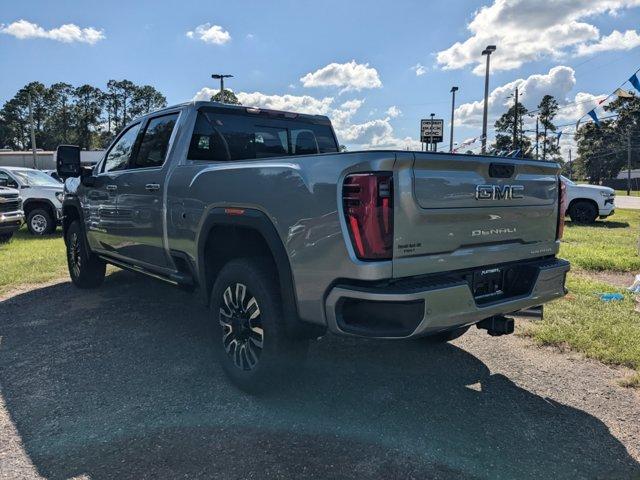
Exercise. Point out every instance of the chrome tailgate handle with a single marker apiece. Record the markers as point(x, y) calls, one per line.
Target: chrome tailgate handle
point(152, 187)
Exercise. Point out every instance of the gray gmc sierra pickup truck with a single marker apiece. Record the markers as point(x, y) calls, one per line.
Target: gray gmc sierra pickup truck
point(284, 237)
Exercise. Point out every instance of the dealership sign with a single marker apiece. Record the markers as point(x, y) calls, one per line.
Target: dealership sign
point(431, 130)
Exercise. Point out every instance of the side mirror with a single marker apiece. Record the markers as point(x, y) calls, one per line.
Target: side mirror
point(68, 161)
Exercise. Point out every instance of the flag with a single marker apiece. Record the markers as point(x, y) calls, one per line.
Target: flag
point(623, 93)
point(634, 81)
point(593, 115)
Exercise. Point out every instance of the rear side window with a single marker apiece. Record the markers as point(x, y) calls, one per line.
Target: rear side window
point(220, 137)
point(118, 156)
point(155, 142)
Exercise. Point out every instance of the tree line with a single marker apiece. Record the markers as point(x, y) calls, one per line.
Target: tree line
point(602, 150)
point(63, 114)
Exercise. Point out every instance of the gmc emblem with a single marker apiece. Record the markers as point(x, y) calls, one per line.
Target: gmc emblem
point(499, 192)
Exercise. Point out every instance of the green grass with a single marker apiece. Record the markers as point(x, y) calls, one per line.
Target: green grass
point(634, 193)
point(606, 331)
point(610, 244)
point(27, 259)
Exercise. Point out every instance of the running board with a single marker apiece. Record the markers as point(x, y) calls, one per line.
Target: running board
point(174, 278)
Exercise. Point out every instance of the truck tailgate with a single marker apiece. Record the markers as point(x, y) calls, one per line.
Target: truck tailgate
point(455, 212)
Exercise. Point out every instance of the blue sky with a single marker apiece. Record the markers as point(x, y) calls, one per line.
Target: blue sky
point(356, 61)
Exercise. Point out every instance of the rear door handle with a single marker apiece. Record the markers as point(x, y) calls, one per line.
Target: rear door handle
point(152, 187)
point(112, 187)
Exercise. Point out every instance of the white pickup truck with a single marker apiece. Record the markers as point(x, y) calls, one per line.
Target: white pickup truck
point(585, 203)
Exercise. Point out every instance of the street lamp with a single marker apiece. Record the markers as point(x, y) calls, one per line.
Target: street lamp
point(432, 144)
point(221, 77)
point(487, 51)
point(453, 106)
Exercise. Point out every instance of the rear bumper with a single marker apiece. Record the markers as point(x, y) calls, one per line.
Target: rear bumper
point(430, 305)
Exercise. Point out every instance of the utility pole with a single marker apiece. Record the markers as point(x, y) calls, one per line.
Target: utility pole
point(515, 123)
point(628, 161)
point(487, 51)
point(221, 77)
point(33, 132)
point(570, 166)
point(453, 107)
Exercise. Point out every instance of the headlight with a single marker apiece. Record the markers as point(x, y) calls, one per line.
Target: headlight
point(606, 194)
point(60, 196)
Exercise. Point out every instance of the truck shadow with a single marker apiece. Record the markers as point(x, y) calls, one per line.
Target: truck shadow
point(120, 382)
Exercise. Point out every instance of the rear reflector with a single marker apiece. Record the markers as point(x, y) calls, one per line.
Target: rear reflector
point(562, 207)
point(367, 200)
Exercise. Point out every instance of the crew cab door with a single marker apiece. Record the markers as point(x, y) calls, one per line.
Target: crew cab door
point(100, 199)
point(140, 187)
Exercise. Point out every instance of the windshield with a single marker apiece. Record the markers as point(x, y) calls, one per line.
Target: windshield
point(566, 180)
point(35, 178)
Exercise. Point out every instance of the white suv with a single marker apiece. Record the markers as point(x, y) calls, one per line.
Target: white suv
point(585, 203)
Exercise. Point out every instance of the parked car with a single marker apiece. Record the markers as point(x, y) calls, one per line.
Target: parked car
point(284, 237)
point(11, 214)
point(585, 203)
point(41, 197)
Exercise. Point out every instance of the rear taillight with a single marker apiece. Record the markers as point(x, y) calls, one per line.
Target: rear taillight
point(562, 207)
point(367, 200)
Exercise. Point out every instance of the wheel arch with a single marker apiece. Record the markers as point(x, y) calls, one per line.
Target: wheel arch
point(583, 199)
point(233, 233)
point(31, 203)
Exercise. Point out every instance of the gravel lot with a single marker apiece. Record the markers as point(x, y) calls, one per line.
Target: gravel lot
point(120, 383)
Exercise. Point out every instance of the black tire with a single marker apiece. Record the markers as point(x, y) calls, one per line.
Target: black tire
point(5, 237)
point(583, 212)
point(85, 268)
point(444, 337)
point(249, 335)
point(40, 222)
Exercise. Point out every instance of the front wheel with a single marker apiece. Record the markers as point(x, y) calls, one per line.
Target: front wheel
point(249, 334)
point(40, 222)
point(85, 267)
point(583, 211)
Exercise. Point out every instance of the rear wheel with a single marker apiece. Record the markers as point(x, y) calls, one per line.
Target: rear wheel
point(249, 334)
point(5, 237)
point(583, 211)
point(40, 222)
point(85, 267)
point(447, 336)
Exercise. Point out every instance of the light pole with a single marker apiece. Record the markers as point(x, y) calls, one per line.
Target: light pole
point(431, 134)
point(453, 106)
point(221, 77)
point(487, 51)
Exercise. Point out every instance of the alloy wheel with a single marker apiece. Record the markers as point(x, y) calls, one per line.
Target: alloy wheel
point(75, 258)
point(242, 332)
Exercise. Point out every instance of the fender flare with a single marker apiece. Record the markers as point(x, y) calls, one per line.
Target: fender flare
point(29, 201)
point(259, 221)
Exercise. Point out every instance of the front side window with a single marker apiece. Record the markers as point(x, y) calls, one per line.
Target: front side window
point(224, 137)
point(155, 142)
point(118, 156)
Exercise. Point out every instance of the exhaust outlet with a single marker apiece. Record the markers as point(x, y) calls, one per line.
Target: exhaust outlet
point(497, 325)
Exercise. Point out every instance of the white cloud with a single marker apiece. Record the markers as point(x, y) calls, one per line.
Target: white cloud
point(210, 34)
point(419, 69)
point(394, 111)
point(615, 41)
point(67, 33)
point(527, 30)
point(348, 76)
point(559, 81)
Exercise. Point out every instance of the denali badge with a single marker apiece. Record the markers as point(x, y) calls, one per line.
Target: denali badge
point(499, 192)
point(493, 231)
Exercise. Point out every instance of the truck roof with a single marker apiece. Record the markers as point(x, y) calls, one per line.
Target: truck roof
point(196, 104)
